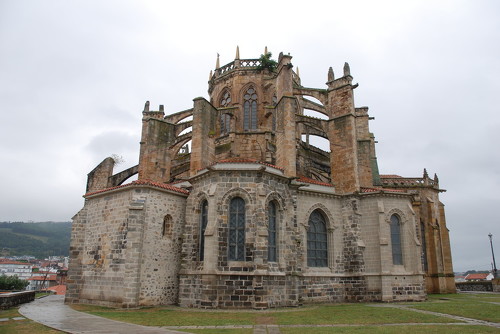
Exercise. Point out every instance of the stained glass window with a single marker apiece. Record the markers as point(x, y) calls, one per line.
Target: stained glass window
point(317, 244)
point(271, 250)
point(203, 227)
point(397, 254)
point(236, 230)
point(250, 110)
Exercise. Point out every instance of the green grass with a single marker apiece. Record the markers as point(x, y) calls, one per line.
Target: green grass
point(476, 306)
point(354, 314)
point(315, 315)
point(162, 316)
point(24, 326)
point(424, 329)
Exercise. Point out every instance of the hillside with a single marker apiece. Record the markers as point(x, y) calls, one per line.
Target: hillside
point(37, 239)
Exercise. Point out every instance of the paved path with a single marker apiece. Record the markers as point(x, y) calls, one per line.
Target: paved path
point(52, 312)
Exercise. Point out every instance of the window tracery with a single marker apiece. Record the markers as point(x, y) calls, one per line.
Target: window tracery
point(317, 244)
point(236, 230)
point(250, 109)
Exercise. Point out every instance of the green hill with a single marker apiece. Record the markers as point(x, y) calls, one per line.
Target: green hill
point(37, 239)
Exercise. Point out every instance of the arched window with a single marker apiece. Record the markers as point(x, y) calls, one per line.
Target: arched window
point(167, 226)
point(236, 230)
point(225, 119)
point(317, 244)
point(250, 110)
point(272, 235)
point(203, 227)
point(225, 100)
point(424, 246)
point(225, 124)
point(397, 254)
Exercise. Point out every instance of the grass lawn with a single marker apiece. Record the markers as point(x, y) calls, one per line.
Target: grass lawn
point(24, 326)
point(309, 315)
point(424, 329)
point(476, 306)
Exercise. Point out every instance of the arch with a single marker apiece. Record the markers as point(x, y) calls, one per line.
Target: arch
point(237, 225)
point(317, 240)
point(167, 227)
point(326, 213)
point(272, 231)
point(202, 228)
point(236, 192)
point(315, 114)
point(396, 244)
point(249, 99)
point(225, 98)
point(316, 141)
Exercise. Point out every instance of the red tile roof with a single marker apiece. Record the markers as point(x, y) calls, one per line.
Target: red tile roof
point(6, 261)
point(312, 181)
point(58, 289)
point(477, 276)
point(43, 278)
point(142, 182)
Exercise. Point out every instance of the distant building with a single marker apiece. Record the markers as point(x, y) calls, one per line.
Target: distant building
point(479, 277)
point(257, 215)
point(11, 268)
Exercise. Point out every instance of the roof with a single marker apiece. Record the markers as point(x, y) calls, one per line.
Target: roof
point(477, 276)
point(145, 183)
point(43, 278)
point(58, 289)
point(6, 261)
point(390, 176)
point(312, 181)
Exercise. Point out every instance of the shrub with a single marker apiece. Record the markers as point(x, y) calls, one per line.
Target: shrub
point(12, 283)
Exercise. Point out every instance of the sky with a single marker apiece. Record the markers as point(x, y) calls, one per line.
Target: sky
point(74, 77)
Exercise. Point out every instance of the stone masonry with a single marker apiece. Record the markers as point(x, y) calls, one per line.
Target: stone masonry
point(236, 207)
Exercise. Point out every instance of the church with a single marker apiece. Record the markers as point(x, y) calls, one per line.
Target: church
point(266, 195)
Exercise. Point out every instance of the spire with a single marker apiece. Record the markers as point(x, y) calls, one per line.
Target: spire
point(146, 106)
point(217, 63)
point(331, 76)
point(237, 52)
point(436, 180)
point(426, 176)
point(347, 69)
point(265, 51)
point(210, 75)
point(297, 72)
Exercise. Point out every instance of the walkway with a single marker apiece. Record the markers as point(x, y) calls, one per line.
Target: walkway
point(52, 312)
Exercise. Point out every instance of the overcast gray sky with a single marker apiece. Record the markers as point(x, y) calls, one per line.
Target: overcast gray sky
point(74, 77)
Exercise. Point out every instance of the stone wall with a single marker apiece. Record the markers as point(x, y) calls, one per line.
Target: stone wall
point(11, 299)
point(119, 256)
point(475, 286)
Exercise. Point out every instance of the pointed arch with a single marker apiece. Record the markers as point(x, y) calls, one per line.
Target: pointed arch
point(250, 100)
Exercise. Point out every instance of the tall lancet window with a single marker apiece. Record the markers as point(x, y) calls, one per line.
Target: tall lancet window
point(237, 230)
point(250, 110)
point(317, 241)
point(203, 227)
point(225, 119)
point(271, 228)
point(397, 254)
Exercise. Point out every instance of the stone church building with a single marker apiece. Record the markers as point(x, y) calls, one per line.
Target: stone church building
point(252, 214)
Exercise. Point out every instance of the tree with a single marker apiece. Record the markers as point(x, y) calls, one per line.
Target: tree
point(12, 283)
point(267, 62)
